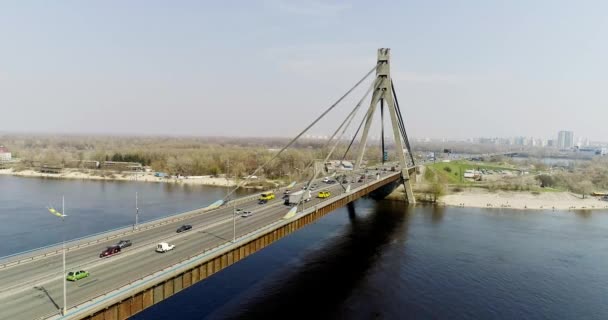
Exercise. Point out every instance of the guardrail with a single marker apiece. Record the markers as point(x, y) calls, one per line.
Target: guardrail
point(184, 263)
point(106, 235)
point(115, 233)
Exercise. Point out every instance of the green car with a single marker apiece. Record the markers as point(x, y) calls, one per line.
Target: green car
point(73, 276)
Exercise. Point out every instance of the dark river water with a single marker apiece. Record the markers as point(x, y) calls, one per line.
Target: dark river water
point(374, 260)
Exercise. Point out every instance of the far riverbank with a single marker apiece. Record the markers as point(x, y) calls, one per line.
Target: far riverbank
point(143, 177)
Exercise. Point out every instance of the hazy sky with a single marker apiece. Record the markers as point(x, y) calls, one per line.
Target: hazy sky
point(267, 68)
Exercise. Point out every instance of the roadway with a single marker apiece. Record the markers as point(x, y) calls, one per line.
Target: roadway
point(35, 289)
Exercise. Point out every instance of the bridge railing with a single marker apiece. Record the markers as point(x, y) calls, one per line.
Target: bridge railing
point(96, 238)
point(77, 243)
point(185, 263)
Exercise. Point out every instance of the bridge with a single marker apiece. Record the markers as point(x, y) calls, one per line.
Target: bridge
point(32, 285)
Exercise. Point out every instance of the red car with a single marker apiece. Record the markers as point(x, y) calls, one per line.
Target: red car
point(109, 251)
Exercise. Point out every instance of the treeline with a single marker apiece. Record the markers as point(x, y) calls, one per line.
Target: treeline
point(583, 178)
point(183, 155)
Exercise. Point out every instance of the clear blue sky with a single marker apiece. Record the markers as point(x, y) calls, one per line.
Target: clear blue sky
point(266, 68)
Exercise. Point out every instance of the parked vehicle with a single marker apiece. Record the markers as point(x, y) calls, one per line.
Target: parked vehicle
point(295, 197)
point(183, 228)
point(323, 194)
point(326, 180)
point(124, 243)
point(247, 214)
point(73, 276)
point(164, 247)
point(109, 251)
point(267, 196)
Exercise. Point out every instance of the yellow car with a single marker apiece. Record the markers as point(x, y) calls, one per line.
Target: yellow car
point(323, 194)
point(267, 196)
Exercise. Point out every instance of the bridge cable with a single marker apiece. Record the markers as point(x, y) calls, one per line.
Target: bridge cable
point(382, 127)
point(346, 123)
point(407, 141)
point(301, 133)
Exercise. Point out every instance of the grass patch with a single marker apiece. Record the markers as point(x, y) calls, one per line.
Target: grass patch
point(452, 172)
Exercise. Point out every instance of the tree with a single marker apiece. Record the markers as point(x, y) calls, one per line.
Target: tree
point(545, 180)
point(436, 190)
point(583, 187)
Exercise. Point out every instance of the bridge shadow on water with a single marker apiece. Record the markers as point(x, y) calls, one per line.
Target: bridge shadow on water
point(327, 276)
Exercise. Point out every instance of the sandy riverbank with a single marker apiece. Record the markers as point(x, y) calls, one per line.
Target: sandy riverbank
point(524, 200)
point(143, 177)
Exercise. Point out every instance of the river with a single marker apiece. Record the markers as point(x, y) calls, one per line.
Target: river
point(374, 260)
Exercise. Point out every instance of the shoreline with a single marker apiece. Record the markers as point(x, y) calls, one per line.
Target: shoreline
point(518, 200)
point(521, 200)
point(142, 177)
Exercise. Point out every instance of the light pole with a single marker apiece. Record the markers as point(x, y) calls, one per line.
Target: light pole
point(136, 212)
point(63, 245)
point(62, 215)
point(234, 222)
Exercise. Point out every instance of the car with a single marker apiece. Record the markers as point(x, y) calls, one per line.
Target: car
point(247, 214)
point(360, 180)
point(239, 210)
point(326, 179)
point(73, 276)
point(331, 181)
point(164, 247)
point(287, 191)
point(183, 228)
point(344, 181)
point(267, 196)
point(262, 201)
point(124, 243)
point(323, 194)
point(109, 251)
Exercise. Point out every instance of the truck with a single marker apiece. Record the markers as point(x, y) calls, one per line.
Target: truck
point(164, 247)
point(295, 197)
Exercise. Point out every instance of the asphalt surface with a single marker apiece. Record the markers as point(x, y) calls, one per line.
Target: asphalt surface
point(35, 290)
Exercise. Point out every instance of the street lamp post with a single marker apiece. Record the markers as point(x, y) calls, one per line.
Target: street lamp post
point(63, 246)
point(62, 215)
point(136, 212)
point(234, 223)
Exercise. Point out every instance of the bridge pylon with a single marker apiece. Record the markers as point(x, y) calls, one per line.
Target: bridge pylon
point(383, 93)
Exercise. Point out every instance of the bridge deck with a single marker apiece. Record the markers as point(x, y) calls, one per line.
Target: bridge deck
point(38, 294)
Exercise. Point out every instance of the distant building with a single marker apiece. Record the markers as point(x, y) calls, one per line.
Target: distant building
point(84, 164)
point(121, 166)
point(565, 139)
point(5, 155)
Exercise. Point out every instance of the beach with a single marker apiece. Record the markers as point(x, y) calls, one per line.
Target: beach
point(140, 176)
point(523, 200)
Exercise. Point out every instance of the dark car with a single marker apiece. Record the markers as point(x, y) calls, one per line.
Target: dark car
point(262, 201)
point(185, 227)
point(109, 251)
point(331, 181)
point(123, 243)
